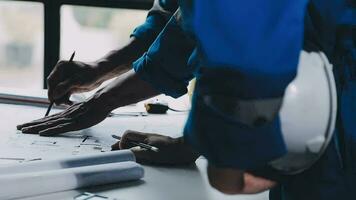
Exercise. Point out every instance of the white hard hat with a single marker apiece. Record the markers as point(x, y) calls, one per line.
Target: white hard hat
point(308, 114)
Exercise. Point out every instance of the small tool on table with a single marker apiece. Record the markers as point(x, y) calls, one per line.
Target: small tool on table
point(140, 144)
point(51, 103)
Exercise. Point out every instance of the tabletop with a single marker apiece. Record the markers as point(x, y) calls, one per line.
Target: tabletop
point(173, 183)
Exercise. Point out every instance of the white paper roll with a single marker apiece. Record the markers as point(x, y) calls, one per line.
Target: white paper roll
point(70, 162)
point(30, 184)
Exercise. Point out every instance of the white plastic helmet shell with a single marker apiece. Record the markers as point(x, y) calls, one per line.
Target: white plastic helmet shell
point(308, 114)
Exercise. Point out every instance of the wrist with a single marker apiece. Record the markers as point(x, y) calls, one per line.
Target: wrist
point(179, 141)
point(124, 90)
point(104, 99)
point(103, 67)
point(100, 66)
point(187, 147)
point(119, 61)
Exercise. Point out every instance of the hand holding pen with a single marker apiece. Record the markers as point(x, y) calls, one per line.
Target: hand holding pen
point(52, 102)
point(172, 151)
point(140, 144)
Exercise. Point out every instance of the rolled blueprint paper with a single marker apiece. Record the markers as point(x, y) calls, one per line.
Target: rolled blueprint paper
point(15, 186)
point(70, 162)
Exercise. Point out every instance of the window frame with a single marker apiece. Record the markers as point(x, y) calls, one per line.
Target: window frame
point(52, 28)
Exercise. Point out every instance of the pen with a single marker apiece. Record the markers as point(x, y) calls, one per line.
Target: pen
point(51, 103)
point(140, 144)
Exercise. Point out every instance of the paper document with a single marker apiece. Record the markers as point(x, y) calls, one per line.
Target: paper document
point(21, 185)
point(68, 162)
point(18, 148)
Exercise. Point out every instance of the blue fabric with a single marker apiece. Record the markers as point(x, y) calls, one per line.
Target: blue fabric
point(325, 180)
point(165, 63)
point(148, 31)
point(155, 22)
point(165, 67)
point(329, 26)
point(169, 5)
point(261, 42)
point(229, 38)
point(228, 143)
point(260, 39)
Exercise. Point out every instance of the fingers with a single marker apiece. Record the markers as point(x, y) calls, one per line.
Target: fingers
point(115, 146)
point(78, 116)
point(61, 128)
point(254, 184)
point(61, 81)
point(43, 120)
point(64, 100)
point(234, 181)
point(55, 77)
point(171, 152)
point(63, 89)
point(145, 156)
point(142, 155)
point(52, 121)
point(35, 129)
point(129, 136)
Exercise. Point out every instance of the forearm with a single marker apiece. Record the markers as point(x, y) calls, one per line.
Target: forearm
point(119, 61)
point(126, 89)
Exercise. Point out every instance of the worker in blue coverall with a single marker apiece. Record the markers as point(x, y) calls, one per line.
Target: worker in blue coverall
point(233, 49)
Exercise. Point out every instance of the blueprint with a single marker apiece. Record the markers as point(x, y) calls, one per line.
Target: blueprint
point(16, 147)
point(25, 147)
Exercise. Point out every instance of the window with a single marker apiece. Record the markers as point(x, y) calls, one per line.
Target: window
point(92, 32)
point(31, 34)
point(21, 44)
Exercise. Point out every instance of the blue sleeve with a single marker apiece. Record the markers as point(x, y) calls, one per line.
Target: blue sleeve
point(165, 65)
point(260, 39)
point(229, 144)
point(250, 52)
point(156, 20)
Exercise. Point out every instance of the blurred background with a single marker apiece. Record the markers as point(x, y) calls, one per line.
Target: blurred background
point(90, 31)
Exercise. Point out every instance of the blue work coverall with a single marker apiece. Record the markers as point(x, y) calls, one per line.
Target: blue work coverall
point(258, 44)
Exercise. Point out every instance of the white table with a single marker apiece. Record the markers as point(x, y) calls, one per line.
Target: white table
point(159, 183)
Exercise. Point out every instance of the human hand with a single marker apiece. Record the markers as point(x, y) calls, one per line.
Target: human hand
point(76, 117)
point(70, 77)
point(234, 181)
point(172, 151)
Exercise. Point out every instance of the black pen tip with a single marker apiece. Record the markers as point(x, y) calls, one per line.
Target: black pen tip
point(72, 57)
